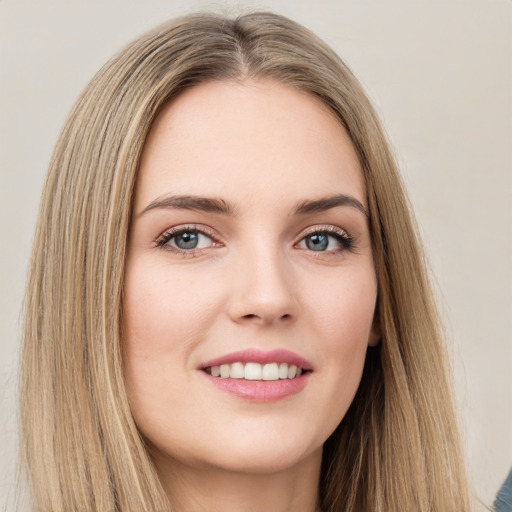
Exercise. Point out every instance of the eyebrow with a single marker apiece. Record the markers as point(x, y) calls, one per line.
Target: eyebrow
point(324, 204)
point(186, 202)
point(223, 207)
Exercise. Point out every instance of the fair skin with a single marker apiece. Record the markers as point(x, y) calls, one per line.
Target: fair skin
point(231, 261)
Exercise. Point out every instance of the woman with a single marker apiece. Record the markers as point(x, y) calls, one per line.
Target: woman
point(227, 306)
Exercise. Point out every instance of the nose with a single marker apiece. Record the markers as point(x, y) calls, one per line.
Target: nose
point(263, 289)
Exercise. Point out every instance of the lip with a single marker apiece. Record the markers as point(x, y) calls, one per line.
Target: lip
point(260, 391)
point(261, 357)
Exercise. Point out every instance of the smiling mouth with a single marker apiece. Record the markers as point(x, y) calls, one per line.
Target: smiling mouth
point(256, 371)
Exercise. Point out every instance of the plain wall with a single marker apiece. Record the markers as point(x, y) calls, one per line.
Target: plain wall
point(440, 75)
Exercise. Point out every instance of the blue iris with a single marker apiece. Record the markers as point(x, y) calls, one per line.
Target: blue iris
point(317, 242)
point(186, 240)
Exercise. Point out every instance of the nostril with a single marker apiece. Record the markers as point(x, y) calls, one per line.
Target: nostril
point(252, 315)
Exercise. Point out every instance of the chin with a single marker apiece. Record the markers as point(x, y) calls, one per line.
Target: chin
point(265, 462)
point(265, 451)
point(257, 453)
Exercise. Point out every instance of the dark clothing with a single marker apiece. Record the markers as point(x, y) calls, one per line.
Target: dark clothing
point(503, 501)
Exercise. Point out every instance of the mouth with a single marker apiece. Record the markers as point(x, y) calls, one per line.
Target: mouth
point(259, 376)
point(255, 371)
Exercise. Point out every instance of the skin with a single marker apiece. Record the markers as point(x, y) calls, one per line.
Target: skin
point(264, 148)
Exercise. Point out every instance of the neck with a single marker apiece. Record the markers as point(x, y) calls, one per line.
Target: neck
point(214, 490)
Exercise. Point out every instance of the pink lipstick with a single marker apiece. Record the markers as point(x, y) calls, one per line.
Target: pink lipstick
point(258, 376)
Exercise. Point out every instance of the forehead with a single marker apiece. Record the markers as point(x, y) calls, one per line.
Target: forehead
point(250, 139)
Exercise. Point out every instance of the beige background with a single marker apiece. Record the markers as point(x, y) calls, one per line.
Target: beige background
point(440, 74)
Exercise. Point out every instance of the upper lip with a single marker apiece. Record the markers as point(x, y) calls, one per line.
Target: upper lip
point(260, 356)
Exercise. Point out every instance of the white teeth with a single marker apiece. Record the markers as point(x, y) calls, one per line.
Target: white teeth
point(224, 370)
point(252, 371)
point(270, 372)
point(237, 371)
point(283, 371)
point(256, 371)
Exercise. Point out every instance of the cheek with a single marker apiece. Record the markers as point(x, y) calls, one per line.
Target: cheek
point(164, 310)
point(343, 315)
point(164, 317)
point(344, 307)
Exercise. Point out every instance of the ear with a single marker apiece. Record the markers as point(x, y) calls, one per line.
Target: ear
point(375, 332)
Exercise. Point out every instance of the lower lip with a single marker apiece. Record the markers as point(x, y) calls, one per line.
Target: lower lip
point(260, 390)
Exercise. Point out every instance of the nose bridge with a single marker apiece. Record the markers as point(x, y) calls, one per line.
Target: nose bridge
point(264, 286)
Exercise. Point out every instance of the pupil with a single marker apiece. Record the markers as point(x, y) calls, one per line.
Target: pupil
point(317, 242)
point(187, 240)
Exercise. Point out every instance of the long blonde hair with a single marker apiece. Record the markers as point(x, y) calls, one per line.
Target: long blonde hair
point(397, 447)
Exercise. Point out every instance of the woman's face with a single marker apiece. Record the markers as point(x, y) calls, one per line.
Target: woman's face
point(249, 256)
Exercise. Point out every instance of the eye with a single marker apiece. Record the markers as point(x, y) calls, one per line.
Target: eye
point(185, 240)
point(326, 240)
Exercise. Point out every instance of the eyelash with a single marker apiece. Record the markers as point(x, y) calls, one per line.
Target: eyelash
point(341, 236)
point(166, 237)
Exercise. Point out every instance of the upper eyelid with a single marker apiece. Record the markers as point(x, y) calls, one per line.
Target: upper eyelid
point(198, 228)
point(316, 228)
point(201, 228)
point(163, 239)
point(343, 236)
point(323, 229)
point(213, 234)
